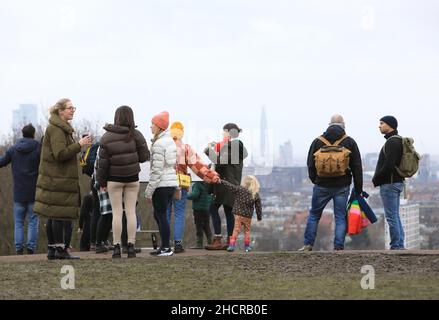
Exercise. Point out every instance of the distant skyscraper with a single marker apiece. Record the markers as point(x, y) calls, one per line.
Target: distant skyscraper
point(370, 161)
point(425, 171)
point(25, 114)
point(264, 135)
point(263, 157)
point(410, 223)
point(285, 155)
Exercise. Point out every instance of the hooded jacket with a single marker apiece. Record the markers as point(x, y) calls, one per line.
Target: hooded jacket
point(332, 134)
point(58, 195)
point(25, 159)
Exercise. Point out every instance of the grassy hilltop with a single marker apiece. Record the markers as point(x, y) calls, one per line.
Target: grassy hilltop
point(201, 275)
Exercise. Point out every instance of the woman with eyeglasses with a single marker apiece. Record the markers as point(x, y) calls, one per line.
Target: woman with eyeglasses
point(58, 195)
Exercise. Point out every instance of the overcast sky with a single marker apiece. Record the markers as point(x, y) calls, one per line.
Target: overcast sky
point(211, 62)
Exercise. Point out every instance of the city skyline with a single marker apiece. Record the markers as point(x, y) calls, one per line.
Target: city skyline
point(282, 154)
point(304, 61)
point(27, 113)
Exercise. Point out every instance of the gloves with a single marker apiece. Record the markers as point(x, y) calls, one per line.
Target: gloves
point(363, 194)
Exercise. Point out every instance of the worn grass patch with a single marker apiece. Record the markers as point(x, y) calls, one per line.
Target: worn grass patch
point(280, 276)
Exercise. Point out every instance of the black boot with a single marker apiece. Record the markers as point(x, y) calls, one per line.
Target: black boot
point(116, 252)
point(62, 254)
point(125, 250)
point(131, 251)
point(51, 253)
point(101, 248)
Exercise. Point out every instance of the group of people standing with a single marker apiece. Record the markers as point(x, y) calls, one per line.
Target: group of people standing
point(121, 151)
point(46, 183)
point(336, 187)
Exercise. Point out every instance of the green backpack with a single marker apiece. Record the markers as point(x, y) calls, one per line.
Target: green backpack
point(410, 158)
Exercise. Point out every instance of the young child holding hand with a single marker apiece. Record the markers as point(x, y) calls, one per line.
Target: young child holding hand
point(247, 200)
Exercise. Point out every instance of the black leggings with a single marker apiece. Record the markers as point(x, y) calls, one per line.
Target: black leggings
point(84, 244)
point(161, 199)
point(55, 231)
point(104, 227)
point(68, 231)
point(202, 224)
point(95, 217)
point(216, 219)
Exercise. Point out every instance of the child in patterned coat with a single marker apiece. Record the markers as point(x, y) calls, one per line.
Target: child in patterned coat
point(247, 200)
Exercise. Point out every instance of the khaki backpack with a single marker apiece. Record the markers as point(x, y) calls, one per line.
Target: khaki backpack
point(410, 158)
point(332, 160)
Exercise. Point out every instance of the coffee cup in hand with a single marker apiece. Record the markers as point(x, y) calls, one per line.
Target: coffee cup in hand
point(85, 141)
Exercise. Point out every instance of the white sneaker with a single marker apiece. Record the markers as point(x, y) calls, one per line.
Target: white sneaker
point(166, 253)
point(305, 248)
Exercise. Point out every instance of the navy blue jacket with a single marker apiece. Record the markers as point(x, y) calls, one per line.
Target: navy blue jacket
point(363, 205)
point(25, 159)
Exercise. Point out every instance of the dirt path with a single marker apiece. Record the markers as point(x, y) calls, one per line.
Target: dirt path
point(205, 253)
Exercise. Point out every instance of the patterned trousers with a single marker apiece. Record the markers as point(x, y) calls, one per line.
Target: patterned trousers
point(241, 222)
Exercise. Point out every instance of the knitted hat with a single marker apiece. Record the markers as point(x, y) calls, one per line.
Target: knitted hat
point(391, 121)
point(161, 120)
point(177, 130)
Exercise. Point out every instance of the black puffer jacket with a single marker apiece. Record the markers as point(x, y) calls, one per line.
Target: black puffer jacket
point(332, 134)
point(119, 158)
point(385, 172)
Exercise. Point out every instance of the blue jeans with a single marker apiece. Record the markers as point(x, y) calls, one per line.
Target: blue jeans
point(20, 211)
point(390, 195)
point(179, 215)
point(320, 198)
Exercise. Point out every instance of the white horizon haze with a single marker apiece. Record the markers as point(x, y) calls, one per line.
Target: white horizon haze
point(213, 62)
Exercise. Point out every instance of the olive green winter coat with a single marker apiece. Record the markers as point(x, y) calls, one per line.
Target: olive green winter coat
point(57, 195)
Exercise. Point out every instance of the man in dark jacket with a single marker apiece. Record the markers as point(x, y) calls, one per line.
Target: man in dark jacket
point(25, 159)
point(390, 182)
point(332, 188)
